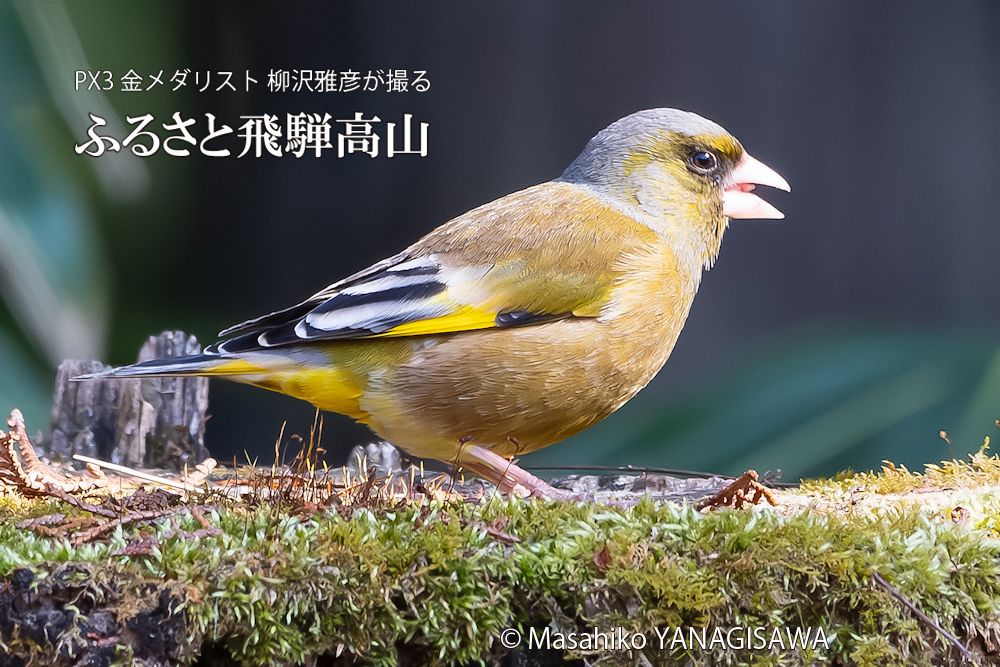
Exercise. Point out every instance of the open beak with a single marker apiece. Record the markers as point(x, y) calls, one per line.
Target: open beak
point(737, 200)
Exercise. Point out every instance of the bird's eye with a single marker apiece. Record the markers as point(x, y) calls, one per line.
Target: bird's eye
point(703, 162)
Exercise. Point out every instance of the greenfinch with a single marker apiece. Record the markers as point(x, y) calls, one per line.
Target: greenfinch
point(523, 321)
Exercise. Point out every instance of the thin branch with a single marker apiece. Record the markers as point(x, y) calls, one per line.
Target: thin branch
point(922, 616)
point(657, 471)
point(139, 474)
point(56, 491)
point(89, 534)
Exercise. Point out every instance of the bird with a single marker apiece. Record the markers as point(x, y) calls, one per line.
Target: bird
point(521, 322)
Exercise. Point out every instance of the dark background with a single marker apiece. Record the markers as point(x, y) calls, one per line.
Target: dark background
point(855, 330)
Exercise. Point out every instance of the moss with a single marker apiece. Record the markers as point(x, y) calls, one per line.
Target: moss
point(436, 582)
point(979, 470)
point(432, 583)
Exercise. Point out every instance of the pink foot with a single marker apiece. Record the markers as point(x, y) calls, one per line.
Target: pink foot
point(509, 477)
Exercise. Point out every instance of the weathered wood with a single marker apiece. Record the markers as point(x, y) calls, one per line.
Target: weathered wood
point(154, 422)
point(178, 405)
point(84, 414)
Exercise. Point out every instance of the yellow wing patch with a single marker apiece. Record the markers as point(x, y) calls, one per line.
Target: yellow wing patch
point(233, 367)
point(466, 319)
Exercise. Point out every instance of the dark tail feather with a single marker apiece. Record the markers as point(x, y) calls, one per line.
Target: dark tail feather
point(197, 364)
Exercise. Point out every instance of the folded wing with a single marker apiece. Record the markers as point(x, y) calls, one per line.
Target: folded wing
point(492, 267)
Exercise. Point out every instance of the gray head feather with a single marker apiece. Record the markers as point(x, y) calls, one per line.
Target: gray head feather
point(607, 150)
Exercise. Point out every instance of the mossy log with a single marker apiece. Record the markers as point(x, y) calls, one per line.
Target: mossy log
point(432, 581)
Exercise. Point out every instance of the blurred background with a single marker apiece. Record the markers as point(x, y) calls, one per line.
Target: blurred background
point(855, 330)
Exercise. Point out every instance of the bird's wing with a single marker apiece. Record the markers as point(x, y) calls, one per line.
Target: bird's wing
point(541, 254)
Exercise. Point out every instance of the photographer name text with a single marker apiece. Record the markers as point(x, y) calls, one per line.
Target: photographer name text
point(754, 638)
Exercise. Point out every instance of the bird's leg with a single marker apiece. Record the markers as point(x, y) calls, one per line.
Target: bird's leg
point(508, 476)
point(503, 483)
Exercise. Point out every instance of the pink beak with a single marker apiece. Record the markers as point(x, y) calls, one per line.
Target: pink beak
point(738, 202)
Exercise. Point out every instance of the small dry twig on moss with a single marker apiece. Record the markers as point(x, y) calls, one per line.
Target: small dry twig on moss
point(56, 492)
point(140, 506)
point(142, 500)
point(923, 617)
point(133, 517)
point(745, 490)
point(32, 477)
point(97, 464)
point(143, 544)
point(493, 530)
point(46, 520)
point(501, 536)
point(48, 531)
point(56, 525)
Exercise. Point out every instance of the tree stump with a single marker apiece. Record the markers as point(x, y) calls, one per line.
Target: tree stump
point(153, 422)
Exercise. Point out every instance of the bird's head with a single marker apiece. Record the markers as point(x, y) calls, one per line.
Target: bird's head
point(684, 175)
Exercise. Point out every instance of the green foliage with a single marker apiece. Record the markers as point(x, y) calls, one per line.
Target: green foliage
point(433, 582)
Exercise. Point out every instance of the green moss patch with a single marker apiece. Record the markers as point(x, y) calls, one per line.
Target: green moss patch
point(439, 582)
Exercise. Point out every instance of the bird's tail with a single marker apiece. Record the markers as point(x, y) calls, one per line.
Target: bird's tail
point(308, 374)
point(196, 364)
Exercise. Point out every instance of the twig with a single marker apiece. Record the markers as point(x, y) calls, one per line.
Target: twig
point(56, 525)
point(142, 547)
point(139, 474)
point(144, 544)
point(46, 520)
point(501, 536)
point(922, 616)
point(91, 533)
point(56, 491)
point(631, 468)
point(697, 474)
point(493, 531)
